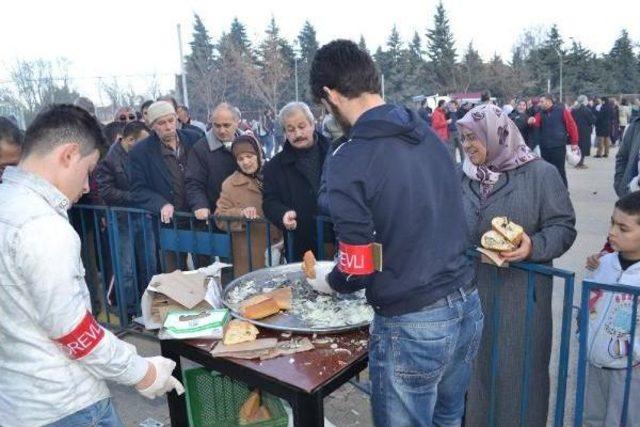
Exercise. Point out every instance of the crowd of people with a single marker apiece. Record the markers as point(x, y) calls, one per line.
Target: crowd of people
point(384, 174)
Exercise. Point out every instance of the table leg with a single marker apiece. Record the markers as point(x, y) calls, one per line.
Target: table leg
point(308, 410)
point(177, 404)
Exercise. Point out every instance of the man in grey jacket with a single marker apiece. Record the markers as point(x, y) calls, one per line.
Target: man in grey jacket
point(627, 158)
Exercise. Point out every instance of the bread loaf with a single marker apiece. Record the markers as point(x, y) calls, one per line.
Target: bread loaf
point(282, 296)
point(249, 407)
point(309, 265)
point(496, 242)
point(260, 310)
point(238, 331)
point(508, 229)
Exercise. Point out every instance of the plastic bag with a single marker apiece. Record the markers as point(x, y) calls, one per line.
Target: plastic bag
point(573, 156)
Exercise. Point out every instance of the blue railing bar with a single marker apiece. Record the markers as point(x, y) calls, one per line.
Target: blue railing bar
point(630, 353)
point(565, 340)
point(289, 246)
point(269, 255)
point(247, 224)
point(633, 290)
point(526, 362)
point(582, 354)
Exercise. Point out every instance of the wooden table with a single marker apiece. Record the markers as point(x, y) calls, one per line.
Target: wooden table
point(303, 379)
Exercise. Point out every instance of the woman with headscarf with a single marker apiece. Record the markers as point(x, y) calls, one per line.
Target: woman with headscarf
point(241, 197)
point(503, 177)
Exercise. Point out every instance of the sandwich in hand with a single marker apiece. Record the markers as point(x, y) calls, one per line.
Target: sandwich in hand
point(316, 275)
point(504, 237)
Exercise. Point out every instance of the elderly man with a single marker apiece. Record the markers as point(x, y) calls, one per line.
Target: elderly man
point(125, 115)
point(211, 162)
point(292, 178)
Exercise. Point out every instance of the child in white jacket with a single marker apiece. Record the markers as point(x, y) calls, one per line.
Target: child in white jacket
point(609, 339)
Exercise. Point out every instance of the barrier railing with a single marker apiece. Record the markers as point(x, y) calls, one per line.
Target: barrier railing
point(149, 241)
point(585, 307)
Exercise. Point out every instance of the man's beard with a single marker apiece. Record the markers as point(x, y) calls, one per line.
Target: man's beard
point(340, 119)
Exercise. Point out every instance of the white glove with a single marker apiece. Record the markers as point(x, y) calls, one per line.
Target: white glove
point(633, 185)
point(164, 382)
point(320, 283)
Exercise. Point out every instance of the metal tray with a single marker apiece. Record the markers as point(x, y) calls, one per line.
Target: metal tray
point(288, 275)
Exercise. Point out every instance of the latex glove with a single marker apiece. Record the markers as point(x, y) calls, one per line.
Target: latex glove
point(164, 382)
point(320, 284)
point(633, 185)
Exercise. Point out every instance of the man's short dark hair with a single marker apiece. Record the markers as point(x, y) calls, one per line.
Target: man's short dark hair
point(343, 66)
point(134, 129)
point(547, 96)
point(10, 133)
point(112, 130)
point(485, 96)
point(146, 104)
point(441, 102)
point(630, 204)
point(59, 124)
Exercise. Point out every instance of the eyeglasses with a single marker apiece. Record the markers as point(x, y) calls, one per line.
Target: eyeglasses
point(124, 118)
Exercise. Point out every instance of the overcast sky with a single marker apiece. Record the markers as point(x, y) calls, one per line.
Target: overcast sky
point(136, 39)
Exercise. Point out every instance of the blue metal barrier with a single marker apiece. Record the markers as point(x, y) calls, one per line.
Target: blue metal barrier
point(587, 287)
point(187, 235)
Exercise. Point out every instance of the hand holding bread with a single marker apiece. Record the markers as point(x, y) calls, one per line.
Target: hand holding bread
point(507, 238)
point(316, 274)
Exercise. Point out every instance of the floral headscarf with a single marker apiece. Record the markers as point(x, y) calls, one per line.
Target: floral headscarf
point(506, 150)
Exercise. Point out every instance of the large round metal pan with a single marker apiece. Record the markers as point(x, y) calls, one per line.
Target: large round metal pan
point(288, 275)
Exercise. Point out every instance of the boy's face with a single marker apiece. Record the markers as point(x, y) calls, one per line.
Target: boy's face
point(624, 232)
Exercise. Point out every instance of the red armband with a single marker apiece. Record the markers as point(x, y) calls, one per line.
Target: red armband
point(83, 338)
point(355, 259)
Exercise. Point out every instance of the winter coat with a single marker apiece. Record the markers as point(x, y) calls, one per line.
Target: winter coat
point(440, 124)
point(521, 121)
point(627, 158)
point(394, 183)
point(535, 197)
point(625, 115)
point(209, 164)
point(585, 120)
point(151, 179)
point(610, 319)
point(287, 188)
point(603, 120)
point(238, 192)
point(113, 175)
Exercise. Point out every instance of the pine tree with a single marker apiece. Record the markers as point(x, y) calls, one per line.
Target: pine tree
point(441, 50)
point(201, 71)
point(308, 46)
point(472, 71)
point(622, 63)
point(362, 44)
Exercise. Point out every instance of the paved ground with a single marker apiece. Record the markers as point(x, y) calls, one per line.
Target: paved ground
point(593, 198)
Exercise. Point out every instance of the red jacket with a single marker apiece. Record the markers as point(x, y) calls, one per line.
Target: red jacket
point(569, 124)
point(440, 125)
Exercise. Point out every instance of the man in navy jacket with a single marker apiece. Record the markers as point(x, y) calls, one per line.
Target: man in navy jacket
point(158, 163)
point(394, 184)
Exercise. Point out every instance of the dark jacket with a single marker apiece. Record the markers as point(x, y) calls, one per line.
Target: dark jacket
point(557, 127)
point(520, 119)
point(113, 175)
point(287, 188)
point(151, 180)
point(209, 164)
point(394, 183)
point(603, 120)
point(193, 128)
point(323, 200)
point(585, 120)
point(627, 158)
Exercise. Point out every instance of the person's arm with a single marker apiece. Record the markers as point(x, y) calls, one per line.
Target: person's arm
point(195, 182)
point(272, 204)
point(108, 188)
point(143, 194)
point(54, 278)
point(570, 125)
point(353, 224)
point(557, 218)
point(225, 206)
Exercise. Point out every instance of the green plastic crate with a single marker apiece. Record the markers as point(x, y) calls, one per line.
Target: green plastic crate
point(214, 400)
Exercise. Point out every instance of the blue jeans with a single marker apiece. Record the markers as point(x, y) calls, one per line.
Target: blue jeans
point(138, 261)
point(100, 414)
point(420, 363)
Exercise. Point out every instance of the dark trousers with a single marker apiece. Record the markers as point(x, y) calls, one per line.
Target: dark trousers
point(555, 156)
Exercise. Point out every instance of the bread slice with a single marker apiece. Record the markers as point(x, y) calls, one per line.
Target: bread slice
point(508, 229)
point(260, 310)
point(238, 331)
point(282, 296)
point(249, 407)
point(496, 242)
point(309, 265)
